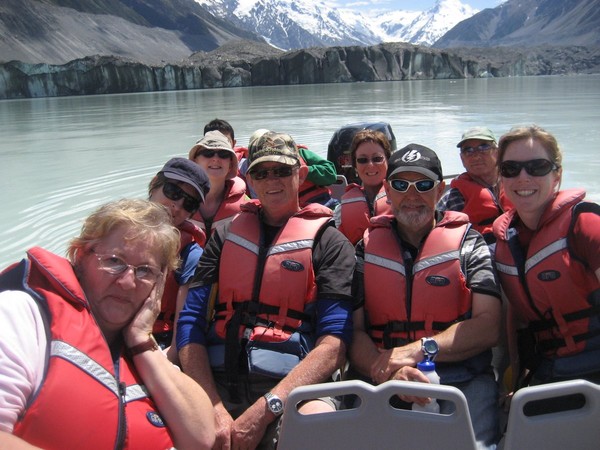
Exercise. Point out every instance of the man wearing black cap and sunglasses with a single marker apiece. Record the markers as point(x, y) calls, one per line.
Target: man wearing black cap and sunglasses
point(281, 278)
point(477, 191)
point(425, 279)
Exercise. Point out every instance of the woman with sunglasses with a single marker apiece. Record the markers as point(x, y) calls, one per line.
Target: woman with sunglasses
point(214, 153)
point(548, 262)
point(370, 151)
point(181, 186)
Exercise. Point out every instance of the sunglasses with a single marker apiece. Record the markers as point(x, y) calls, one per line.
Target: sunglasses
point(114, 265)
point(222, 154)
point(534, 167)
point(278, 172)
point(374, 160)
point(471, 151)
point(420, 185)
point(174, 192)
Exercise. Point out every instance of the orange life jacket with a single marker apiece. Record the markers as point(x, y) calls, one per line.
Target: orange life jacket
point(82, 392)
point(355, 212)
point(549, 289)
point(480, 204)
point(403, 305)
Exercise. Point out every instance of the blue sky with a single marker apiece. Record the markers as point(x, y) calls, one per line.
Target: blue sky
point(412, 5)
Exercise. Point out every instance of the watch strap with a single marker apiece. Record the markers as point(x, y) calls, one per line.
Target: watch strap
point(145, 346)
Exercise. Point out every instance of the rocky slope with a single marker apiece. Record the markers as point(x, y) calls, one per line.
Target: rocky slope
point(528, 23)
point(248, 64)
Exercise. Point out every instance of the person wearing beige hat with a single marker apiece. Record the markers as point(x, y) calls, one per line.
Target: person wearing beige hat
point(477, 191)
point(214, 153)
point(281, 278)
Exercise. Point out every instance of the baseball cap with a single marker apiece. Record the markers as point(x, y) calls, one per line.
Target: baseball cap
point(258, 133)
point(483, 133)
point(273, 147)
point(182, 169)
point(215, 140)
point(415, 158)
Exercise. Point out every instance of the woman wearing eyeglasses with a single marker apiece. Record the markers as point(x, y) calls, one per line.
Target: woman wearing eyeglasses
point(181, 186)
point(548, 262)
point(78, 365)
point(370, 151)
point(215, 154)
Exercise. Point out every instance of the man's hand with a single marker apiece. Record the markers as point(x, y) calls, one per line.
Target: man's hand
point(223, 427)
point(392, 360)
point(248, 429)
point(408, 373)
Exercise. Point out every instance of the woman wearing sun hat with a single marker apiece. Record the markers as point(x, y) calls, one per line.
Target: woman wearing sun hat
point(216, 156)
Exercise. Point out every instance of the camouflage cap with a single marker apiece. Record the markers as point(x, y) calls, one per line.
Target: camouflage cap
point(273, 147)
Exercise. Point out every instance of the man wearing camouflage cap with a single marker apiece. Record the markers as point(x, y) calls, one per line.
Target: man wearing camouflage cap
point(282, 310)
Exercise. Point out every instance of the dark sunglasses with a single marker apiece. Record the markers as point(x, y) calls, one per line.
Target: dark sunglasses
point(470, 151)
point(374, 160)
point(222, 154)
point(420, 185)
point(278, 172)
point(174, 192)
point(534, 167)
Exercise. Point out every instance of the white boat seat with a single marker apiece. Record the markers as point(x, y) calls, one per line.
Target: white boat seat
point(339, 187)
point(374, 423)
point(577, 429)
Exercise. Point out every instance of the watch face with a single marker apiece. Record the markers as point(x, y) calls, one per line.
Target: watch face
point(276, 405)
point(430, 347)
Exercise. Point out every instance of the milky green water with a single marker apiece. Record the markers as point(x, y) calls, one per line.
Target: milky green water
point(62, 157)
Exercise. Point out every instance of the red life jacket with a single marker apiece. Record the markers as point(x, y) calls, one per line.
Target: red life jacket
point(82, 401)
point(547, 287)
point(403, 305)
point(480, 204)
point(355, 212)
point(165, 321)
point(235, 196)
point(286, 285)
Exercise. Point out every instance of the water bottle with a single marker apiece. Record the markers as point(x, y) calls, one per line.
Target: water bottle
point(428, 368)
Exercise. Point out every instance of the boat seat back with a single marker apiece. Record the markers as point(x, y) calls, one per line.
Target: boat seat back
point(577, 428)
point(374, 423)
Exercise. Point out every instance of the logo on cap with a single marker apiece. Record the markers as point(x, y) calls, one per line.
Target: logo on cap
point(411, 156)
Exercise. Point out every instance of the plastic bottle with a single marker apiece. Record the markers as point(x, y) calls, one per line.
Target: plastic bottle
point(428, 368)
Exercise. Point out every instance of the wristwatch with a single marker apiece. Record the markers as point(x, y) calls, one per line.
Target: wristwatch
point(429, 347)
point(274, 403)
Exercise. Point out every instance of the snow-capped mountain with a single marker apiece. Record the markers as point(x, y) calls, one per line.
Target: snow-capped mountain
point(423, 28)
point(291, 24)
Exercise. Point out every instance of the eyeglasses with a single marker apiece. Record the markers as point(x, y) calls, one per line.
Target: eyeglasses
point(222, 154)
point(374, 160)
point(420, 185)
point(472, 151)
point(174, 192)
point(278, 172)
point(534, 167)
point(114, 265)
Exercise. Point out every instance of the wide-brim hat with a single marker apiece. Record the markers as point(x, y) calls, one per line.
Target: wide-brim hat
point(215, 140)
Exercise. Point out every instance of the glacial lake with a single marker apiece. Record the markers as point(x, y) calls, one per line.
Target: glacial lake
point(62, 157)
